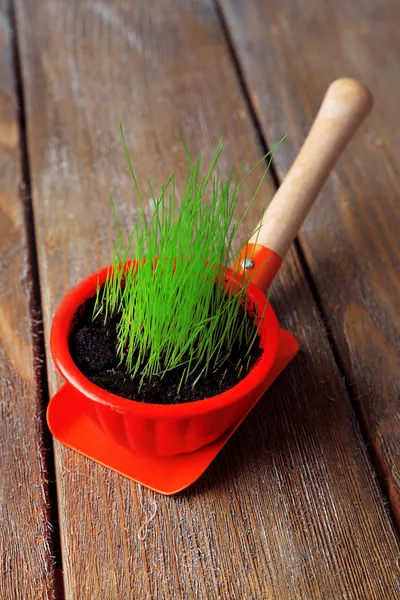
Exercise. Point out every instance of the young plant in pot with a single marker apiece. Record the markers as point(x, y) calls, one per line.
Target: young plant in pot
point(167, 350)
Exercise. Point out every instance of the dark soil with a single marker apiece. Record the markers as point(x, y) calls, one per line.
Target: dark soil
point(92, 346)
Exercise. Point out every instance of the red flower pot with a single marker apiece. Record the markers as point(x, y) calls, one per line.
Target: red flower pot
point(169, 447)
point(162, 430)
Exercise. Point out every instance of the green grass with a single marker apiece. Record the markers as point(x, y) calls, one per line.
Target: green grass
point(174, 308)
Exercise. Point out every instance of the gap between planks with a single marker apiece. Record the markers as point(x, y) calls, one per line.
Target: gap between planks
point(38, 344)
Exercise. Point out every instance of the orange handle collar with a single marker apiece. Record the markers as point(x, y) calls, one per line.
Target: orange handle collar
point(258, 264)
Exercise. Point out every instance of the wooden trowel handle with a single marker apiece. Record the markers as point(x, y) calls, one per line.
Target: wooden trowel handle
point(346, 104)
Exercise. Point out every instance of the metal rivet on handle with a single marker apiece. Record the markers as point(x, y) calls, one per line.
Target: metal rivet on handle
point(247, 263)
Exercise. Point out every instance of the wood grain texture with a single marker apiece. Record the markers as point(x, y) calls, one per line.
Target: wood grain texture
point(289, 54)
point(26, 571)
point(290, 509)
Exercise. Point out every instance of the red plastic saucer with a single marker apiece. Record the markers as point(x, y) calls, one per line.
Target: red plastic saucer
point(70, 422)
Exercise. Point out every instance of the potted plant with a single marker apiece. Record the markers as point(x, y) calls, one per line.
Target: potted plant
point(166, 351)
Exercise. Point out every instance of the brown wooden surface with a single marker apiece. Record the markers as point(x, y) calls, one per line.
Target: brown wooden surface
point(291, 508)
point(289, 53)
point(26, 571)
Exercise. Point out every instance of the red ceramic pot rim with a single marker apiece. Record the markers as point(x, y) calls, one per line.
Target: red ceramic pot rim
point(59, 344)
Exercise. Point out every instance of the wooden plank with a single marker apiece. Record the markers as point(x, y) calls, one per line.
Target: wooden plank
point(26, 570)
point(289, 54)
point(290, 509)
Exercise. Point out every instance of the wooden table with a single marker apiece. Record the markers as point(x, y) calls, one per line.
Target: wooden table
point(304, 502)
